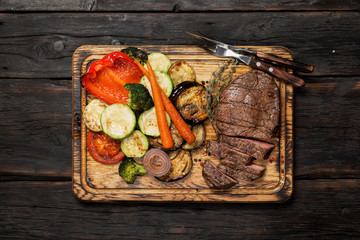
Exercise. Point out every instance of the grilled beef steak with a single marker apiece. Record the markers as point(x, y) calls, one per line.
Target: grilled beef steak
point(224, 152)
point(249, 107)
point(245, 118)
point(256, 149)
point(215, 178)
point(241, 172)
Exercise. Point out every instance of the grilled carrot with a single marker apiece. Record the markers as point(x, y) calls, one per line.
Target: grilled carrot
point(179, 123)
point(164, 130)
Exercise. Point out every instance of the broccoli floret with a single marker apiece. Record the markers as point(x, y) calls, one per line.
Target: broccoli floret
point(136, 53)
point(129, 169)
point(139, 97)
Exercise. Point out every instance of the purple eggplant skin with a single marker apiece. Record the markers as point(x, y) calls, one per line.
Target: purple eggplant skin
point(189, 98)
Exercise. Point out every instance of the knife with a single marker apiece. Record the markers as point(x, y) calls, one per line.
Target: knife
point(269, 58)
point(222, 50)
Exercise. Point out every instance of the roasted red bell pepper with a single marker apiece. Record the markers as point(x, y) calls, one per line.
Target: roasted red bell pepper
point(105, 78)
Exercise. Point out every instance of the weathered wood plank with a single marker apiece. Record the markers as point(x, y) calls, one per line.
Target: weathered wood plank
point(35, 128)
point(176, 6)
point(321, 209)
point(326, 132)
point(41, 45)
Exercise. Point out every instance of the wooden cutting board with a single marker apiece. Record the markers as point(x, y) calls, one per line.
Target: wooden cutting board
point(93, 181)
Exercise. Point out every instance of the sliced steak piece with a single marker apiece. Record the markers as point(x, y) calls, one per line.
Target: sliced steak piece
point(248, 107)
point(254, 171)
point(224, 152)
point(254, 148)
point(241, 173)
point(240, 176)
point(215, 178)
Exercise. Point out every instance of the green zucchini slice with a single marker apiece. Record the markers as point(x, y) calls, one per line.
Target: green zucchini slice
point(92, 114)
point(148, 122)
point(135, 145)
point(164, 81)
point(159, 61)
point(118, 121)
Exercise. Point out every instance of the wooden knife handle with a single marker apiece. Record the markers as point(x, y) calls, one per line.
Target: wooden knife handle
point(298, 82)
point(283, 62)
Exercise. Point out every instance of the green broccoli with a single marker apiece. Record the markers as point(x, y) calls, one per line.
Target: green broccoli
point(136, 53)
point(129, 169)
point(139, 97)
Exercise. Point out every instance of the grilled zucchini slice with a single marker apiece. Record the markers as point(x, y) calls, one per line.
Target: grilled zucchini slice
point(92, 114)
point(135, 145)
point(163, 80)
point(118, 121)
point(180, 71)
point(159, 61)
point(148, 122)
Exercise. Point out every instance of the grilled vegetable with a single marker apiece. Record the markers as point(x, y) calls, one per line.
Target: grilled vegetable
point(157, 162)
point(159, 61)
point(105, 78)
point(136, 53)
point(180, 166)
point(163, 79)
point(148, 122)
point(135, 145)
point(180, 124)
point(199, 132)
point(118, 121)
point(139, 97)
point(129, 170)
point(180, 71)
point(190, 100)
point(159, 105)
point(177, 139)
point(92, 114)
point(103, 149)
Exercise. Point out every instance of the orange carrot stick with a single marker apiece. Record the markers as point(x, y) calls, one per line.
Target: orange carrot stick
point(179, 123)
point(164, 130)
point(176, 118)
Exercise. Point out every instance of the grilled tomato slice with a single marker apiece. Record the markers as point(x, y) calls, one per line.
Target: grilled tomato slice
point(104, 149)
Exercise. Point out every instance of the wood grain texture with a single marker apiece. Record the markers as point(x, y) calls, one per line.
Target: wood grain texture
point(319, 209)
point(44, 43)
point(35, 138)
point(175, 6)
point(96, 182)
point(35, 128)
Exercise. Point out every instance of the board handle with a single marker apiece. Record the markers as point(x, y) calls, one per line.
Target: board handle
point(298, 82)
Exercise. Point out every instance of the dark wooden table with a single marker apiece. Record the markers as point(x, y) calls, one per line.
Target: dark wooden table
point(37, 40)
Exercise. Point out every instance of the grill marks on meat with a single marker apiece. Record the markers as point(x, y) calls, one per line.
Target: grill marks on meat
point(215, 178)
point(254, 148)
point(250, 105)
point(224, 152)
point(247, 115)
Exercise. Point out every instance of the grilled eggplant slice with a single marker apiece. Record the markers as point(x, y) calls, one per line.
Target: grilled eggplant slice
point(180, 71)
point(200, 134)
point(180, 166)
point(190, 100)
point(177, 139)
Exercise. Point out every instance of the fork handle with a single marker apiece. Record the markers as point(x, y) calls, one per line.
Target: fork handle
point(255, 63)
